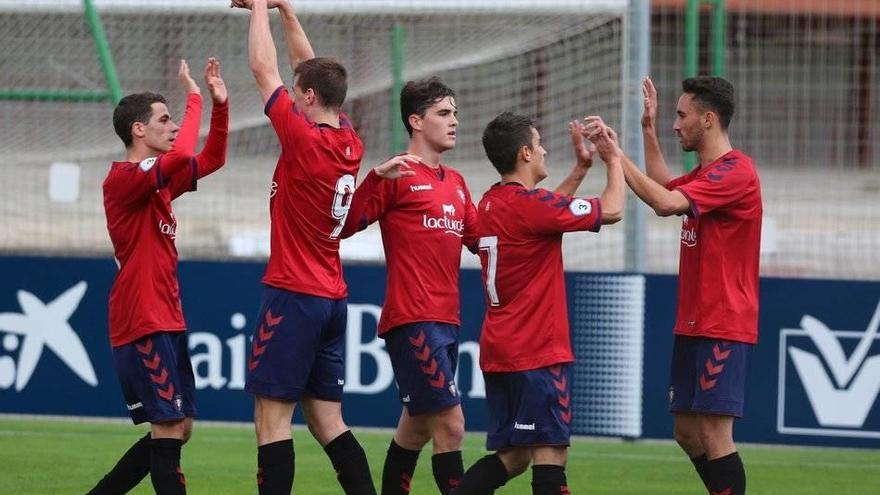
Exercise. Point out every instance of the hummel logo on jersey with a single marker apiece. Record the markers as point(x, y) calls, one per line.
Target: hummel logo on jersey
point(421, 187)
point(147, 163)
point(520, 426)
point(448, 210)
point(44, 325)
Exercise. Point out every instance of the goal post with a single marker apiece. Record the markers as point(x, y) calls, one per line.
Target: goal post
point(112, 94)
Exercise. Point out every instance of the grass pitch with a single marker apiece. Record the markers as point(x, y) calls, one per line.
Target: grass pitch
point(54, 457)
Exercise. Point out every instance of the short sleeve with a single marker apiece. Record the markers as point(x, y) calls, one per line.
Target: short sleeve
point(132, 183)
point(678, 181)
point(723, 185)
point(383, 198)
point(546, 212)
point(289, 123)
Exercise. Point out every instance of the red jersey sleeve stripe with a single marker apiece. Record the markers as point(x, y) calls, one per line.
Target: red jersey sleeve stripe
point(272, 99)
point(695, 212)
point(195, 175)
point(598, 205)
point(160, 181)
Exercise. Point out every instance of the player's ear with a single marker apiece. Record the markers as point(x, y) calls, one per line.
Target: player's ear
point(525, 153)
point(415, 122)
point(311, 97)
point(138, 130)
point(710, 119)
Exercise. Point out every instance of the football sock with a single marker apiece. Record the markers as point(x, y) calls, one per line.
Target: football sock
point(700, 464)
point(484, 477)
point(548, 479)
point(726, 475)
point(448, 470)
point(165, 470)
point(400, 464)
point(275, 468)
point(128, 471)
point(350, 463)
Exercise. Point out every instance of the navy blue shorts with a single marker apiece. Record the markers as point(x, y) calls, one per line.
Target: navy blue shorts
point(529, 408)
point(424, 356)
point(297, 347)
point(708, 376)
point(156, 375)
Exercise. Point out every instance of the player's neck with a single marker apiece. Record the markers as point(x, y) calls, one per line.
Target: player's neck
point(430, 156)
point(138, 153)
point(714, 149)
point(526, 180)
point(319, 115)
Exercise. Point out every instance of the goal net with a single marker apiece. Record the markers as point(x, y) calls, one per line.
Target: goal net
point(554, 60)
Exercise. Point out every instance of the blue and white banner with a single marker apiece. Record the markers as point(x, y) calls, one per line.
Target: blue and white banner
point(55, 355)
point(814, 376)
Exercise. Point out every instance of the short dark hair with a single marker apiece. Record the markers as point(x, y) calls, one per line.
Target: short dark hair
point(504, 137)
point(713, 93)
point(134, 108)
point(326, 77)
point(417, 96)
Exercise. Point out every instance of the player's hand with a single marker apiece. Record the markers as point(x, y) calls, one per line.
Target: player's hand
point(215, 81)
point(189, 85)
point(582, 154)
point(397, 167)
point(248, 4)
point(603, 137)
point(649, 115)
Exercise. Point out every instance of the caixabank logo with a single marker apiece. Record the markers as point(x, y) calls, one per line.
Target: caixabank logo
point(39, 326)
point(829, 380)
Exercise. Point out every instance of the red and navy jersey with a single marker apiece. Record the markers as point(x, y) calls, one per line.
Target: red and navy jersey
point(145, 297)
point(425, 220)
point(520, 241)
point(309, 200)
point(720, 250)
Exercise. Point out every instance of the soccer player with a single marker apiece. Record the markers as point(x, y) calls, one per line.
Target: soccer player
point(525, 346)
point(716, 325)
point(425, 219)
point(296, 354)
point(147, 329)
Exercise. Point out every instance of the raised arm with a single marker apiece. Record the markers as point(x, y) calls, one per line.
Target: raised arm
point(298, 46)
point(213, 155)
point(178, 157)
point(583, 160)
point(261, 49)
point(613, 197)
point(654, 161)
point(663, 201)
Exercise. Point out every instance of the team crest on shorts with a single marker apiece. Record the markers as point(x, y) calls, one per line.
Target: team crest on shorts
point(178, 402)
point(671, 394)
